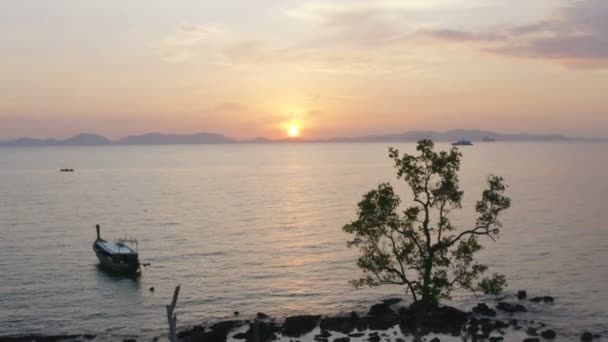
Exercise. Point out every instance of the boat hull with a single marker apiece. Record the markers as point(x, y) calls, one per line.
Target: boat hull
point(119, 263)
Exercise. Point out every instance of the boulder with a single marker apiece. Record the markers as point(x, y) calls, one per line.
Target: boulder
point(545, 299)
point(548, 334)
point(496, 338)
point(531, 339)
point(510, 308)
point(296, 326)
point(345, 325)
point(531, 331)
point(261, 315)
point(262, 331)
point(586, 337)
point(484, 310)
point(356, 335)
point(435, 339)
point(522, 294)
point(342, 339)
point(381, 309)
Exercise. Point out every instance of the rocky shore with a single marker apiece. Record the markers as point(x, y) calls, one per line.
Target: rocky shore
point(388, 321)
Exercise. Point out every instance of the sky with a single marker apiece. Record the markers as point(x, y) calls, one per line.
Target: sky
point(254, 68)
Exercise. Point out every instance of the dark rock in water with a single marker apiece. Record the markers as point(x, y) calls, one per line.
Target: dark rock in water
point(484, 310)
point(383, 322)
point(151, 289)
point(522, 294)
point(546, 299)
point(342, 339)
point(445, 320)
point(511, 308)
point(400, 340)
point(531, 339)
point(261, 315)
point(356, 335)
point(548, 334)
point(320, 339)
point(586, 337)
point(198, 329)
point(324, 334)
point(345, 325)
point(155, 338)
point(89, 336)
point(129, 340)
point(532, 332)
point(296, 326)
point(496, 338)
point(262, 331)
point(373, 338)
point(225, 326)
point(236, 313)
point(391, 301)
point(381, 309)
point(435, 339)
point(514, 322)
point(498, 324)
point(240, 336)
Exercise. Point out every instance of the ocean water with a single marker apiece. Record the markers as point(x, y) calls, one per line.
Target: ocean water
point(254, 228)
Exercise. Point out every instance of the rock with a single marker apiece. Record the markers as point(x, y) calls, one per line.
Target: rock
point(373, 338)
point(240, 336)
point(445, 320)
point(324, 334)
point(129, 340)
point(356, 334)
point(89, 336)
point(185, 334)
point(484, 310)
point(344, 325)
point(392, 301)
point(546, 299)
point(531, 339)
point(435, 339)
point(400, 340)
point(342, 339)
point(224, 327)
point(510, 308)
point(522, 294)
point(498, 324)
point(586, 337)
point(496, 338)
point(548, 334)
point(236, 313)
point(296, 326)
point(531, 331)
point(381, 309)
point(261, 315)
point(151, 289)
point(262, 331)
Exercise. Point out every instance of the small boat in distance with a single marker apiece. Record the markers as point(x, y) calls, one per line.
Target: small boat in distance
point(488, 139)
point(462, 143)
point(117, 256)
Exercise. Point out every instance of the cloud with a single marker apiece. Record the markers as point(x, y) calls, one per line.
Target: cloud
point(575, 36)
point(181, 46)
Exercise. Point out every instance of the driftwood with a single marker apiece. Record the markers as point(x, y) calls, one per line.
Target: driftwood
point(171, 317)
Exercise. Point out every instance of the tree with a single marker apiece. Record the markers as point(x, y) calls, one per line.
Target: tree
point(420, 248)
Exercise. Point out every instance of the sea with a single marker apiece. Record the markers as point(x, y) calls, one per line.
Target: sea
point(258, 228)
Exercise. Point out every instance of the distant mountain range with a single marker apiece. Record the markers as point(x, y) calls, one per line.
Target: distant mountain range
point(87, 139)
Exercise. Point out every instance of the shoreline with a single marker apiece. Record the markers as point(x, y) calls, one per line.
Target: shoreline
point(390, 320)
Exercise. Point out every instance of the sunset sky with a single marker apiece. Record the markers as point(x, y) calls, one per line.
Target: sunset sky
point(332, 68)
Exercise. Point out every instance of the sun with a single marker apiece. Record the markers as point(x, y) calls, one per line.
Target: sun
point(293, 131)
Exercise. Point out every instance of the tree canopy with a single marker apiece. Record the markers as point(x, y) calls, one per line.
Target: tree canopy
point(419, 247)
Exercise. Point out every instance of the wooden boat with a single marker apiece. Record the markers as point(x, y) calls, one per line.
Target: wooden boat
point(117, 256)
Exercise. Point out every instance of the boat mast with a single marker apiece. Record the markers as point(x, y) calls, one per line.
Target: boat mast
point(98, 234)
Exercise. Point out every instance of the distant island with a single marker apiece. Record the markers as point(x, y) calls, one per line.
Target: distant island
point(87, 139)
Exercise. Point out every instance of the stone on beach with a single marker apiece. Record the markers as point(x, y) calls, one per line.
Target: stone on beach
point(296, 326)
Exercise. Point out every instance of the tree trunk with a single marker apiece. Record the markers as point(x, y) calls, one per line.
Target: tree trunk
point(171, 317)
